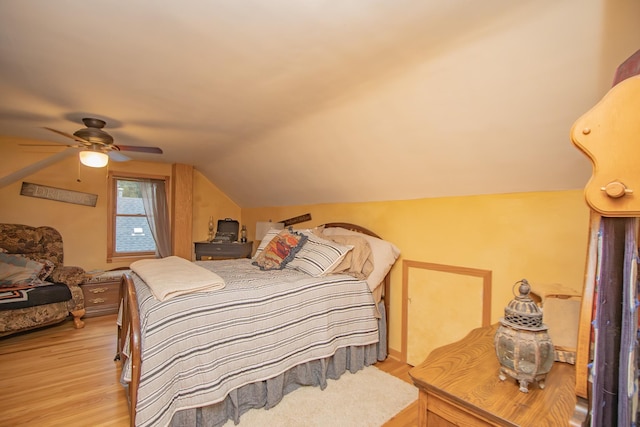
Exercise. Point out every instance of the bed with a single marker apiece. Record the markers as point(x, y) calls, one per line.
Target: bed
point(203, 358)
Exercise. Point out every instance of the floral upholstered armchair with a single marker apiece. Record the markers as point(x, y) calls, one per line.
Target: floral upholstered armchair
point(36, 288)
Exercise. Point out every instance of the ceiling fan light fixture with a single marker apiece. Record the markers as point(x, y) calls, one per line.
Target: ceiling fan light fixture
point(93, 159)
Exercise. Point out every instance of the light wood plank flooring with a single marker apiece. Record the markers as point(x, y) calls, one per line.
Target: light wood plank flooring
point(61, 376)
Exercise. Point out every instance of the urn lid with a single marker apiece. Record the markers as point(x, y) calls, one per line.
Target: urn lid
point(522, 312)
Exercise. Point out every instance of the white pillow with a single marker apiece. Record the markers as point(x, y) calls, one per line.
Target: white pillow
point(265, 241)
point(384, 254)
point(318, 256)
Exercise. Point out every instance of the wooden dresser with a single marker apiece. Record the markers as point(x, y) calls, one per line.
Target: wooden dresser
point(459, 386)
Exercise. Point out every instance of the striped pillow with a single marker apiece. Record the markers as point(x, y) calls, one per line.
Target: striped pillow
point(318, 256)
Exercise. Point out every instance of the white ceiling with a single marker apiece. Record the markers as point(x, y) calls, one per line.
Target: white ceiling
point(284, 102)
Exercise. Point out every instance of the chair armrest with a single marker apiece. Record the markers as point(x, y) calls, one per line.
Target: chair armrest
point(69, 275)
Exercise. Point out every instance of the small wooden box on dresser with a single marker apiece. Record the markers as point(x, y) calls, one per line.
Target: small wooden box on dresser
point(459, 386)
point(101, 292)
point(219, 250)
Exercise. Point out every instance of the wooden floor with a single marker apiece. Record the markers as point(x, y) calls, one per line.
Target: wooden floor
point(61, 376)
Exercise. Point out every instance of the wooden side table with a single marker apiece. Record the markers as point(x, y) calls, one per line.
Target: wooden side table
point(101, 293)
point(459, 386)
point(212, 250)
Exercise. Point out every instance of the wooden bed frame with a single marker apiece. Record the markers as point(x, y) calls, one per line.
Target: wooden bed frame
point(130, 320)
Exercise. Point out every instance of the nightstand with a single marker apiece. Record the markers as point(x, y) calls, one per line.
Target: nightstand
point(101, 292)
point(215, 250)
point(458, 385)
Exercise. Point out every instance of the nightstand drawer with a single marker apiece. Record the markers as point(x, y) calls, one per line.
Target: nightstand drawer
point(101, 293)
point(206, 250)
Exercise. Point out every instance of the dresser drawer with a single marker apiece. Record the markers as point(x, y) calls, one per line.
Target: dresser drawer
point(206, 250)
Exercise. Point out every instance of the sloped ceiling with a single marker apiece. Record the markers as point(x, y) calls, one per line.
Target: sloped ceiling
point(299, 102)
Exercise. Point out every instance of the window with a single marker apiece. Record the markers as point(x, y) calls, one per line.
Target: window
point(129, 233)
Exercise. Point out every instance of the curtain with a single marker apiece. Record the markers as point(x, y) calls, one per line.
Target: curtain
point(154, 199)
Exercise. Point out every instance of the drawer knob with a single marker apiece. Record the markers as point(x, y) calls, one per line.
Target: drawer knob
point(98, 290)
point(97, 301)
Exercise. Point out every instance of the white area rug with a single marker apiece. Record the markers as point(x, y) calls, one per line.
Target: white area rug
point(368, 398)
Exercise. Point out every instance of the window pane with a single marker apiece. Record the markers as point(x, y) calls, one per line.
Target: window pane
point(129, 200)
point(133, 235)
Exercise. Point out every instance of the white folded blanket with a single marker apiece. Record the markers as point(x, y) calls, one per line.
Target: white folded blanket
point(172, 276)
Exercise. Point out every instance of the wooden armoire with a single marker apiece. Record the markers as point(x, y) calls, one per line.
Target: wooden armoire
point(607, 353)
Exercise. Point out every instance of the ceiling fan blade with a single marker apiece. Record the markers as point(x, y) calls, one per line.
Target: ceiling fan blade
point(153, 150)
point(68, 135)
point(117, 156)
point(46, 145)
point(35, 167)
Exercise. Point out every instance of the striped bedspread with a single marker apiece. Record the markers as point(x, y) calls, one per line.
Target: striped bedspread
point(198, 347)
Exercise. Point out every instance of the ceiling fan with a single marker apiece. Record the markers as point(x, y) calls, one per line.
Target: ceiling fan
point(97, 146)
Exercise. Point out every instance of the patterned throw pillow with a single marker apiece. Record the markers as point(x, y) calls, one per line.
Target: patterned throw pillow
point(15, 270)
point(47, 265)
point(265, 241)
point(280, 250)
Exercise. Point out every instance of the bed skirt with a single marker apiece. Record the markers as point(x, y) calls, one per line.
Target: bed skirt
point(267, 394)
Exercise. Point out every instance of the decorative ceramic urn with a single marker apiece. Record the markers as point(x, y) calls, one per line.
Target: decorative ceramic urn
point(522, 342)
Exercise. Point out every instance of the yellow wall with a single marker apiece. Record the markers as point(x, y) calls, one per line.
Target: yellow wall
point(208, 201)
point(84, 228)
point(538, 236)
